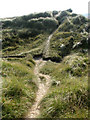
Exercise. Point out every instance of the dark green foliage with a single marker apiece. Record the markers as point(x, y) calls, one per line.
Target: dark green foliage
point(62, 15)
point(37, 15)
point(62, 43)
point(23, 22)
point(45, 24)
point(69, 10)
point(79, 20)
point(74, 15)
point(55, 12)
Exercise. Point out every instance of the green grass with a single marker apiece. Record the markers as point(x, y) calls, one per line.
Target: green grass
point(14, 43)
point(69, 98)
point(62, 43)
point(19, 89)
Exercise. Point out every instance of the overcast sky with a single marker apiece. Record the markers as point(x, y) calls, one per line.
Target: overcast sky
point(10, 8)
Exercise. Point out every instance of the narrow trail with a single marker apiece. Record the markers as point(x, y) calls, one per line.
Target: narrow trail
point(43, 82)
point(47, 46)
point(42, 89)
point(43, 86)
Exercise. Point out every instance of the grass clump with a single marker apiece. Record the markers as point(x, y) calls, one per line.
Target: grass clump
point(64, 43)
point(18, 87)
point(67, 97)
point(18, 41)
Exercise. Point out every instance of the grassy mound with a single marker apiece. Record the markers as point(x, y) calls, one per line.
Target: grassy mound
point(64, 43)
point(15, 42)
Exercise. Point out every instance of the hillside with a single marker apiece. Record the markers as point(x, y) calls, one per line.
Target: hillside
point(45, 65)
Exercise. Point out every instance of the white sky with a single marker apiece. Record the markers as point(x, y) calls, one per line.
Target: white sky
point(10, 8)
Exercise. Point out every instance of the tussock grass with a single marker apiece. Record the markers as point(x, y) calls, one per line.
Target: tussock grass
point(18, 87)
point(27, 35)
point(69, 98)
point(14, 47)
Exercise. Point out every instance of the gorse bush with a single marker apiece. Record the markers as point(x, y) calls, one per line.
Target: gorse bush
point(62, 15)
point(36, 15)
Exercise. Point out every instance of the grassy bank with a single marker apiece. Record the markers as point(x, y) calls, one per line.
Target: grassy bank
point(18, 87)
point(21, 42)
point(67, 97)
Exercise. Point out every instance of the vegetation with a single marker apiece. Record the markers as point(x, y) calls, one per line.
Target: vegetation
point(21, 41)
point(67, 97)
point(25, 38)
point(18, 87)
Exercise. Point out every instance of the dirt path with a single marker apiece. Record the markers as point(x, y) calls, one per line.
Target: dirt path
point(47, 46)
point(43, 87)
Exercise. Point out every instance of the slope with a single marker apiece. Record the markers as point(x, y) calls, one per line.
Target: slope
point(57, 36)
